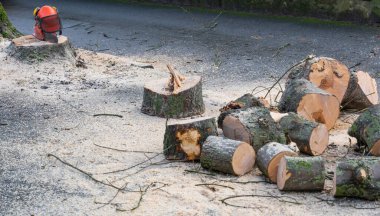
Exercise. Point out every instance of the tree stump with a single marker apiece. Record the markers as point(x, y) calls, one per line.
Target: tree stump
point(7, 30)
point(160, 101)
point(28, 48)
point(359, 177)
point(361, 92)
point(326, 73)
point(366, 129)
point(227, 156)
point(254, 126)
point(311, 138)
point(301, 174)
point(183, 140)
point(269, 157)
point(310, 102)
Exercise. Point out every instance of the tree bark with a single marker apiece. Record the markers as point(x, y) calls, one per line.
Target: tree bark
point(7, 30)
point(183, 140)
point(227, 156)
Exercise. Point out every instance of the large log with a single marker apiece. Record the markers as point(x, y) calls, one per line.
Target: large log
point(227, 156)
point(301, 174)
point(254, 126)
point(361, 92)
point(159, 101)
point(359, 177)
point(326, 73)
point(311, 138)
point(183, 140)
point(269, 157)
point(310, 102)
point(366, 129)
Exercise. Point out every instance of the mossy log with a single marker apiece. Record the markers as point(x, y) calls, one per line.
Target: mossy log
point(310, 102)
point(311, 138)
point(301, 174)
point(366, 129)
point(7, 30)
point(227, 156)
point(159, 101)
point(269, 157)
point(28, 48)
point(359, 177)
point(326, 73)
point(361, 92)
point(245, 101)
point(183, 140)
point(254, 126)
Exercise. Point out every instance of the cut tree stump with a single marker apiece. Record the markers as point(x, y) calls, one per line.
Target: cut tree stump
point(28, 48)
point(326, 73)
point(361, 92)
point(359, 177)
point(301, 174)
point(366, 129)
point(183, 140)
point(245, 101)
point(254, 126)
point(227, 156)
point(269, 157)
point(160, 101)
point(310, 102)
point(311, 138)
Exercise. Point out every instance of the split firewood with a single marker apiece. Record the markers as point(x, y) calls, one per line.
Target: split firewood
point(175, 79)
point(227, 156)
point(269, 157)
point(359, 177)
point(253, 125)
point(361, 92)
point(310, 102)
point(311, 138)
point(301, 174)
point(366, 129)
point(183, 140)
point(326, 73)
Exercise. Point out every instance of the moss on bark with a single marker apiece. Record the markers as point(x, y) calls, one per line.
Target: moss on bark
point(7, 30)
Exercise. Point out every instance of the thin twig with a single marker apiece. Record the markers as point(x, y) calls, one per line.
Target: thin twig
point(125, 150)
point(131, 167)
point(107, 114)
point(279, 198)
point(213, 184)
point(203, 173)
point(113, 198)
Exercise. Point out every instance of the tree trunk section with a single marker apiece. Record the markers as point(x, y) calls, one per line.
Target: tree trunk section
point(326, 73)
point(359, 177)
point(311, 138)
point(7, 30)
point(269, 157)
point(254, 126)
point(301, 174)
point(159, 101)
point(227, 156)
point(310, 102)
point(183, 140)
point(366, 129)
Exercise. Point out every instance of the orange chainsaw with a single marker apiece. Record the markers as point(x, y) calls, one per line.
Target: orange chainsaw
point(48, 24)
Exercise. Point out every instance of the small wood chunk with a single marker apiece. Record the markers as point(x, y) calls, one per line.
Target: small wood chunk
point(366, 129)
point(310, 102)
point(183, 140)
point(254, 126)
point(311, 138)
point(301, 174)
point(227, 156)
point(358, 177)
point(269, 157)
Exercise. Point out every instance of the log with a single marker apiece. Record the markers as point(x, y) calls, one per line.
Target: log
point(269, 157)
point(311, 138)
point(30, 49)
point(366, 129)
point(254, 126)
point(359, 177)
point(361, 92)
point(183, 140)
point(227, 156)
point(326, 73)
point(186, 102)
point(301, 174)
point(310, 102)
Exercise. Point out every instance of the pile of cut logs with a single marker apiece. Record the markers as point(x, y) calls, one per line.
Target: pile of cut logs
point(317, 89)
